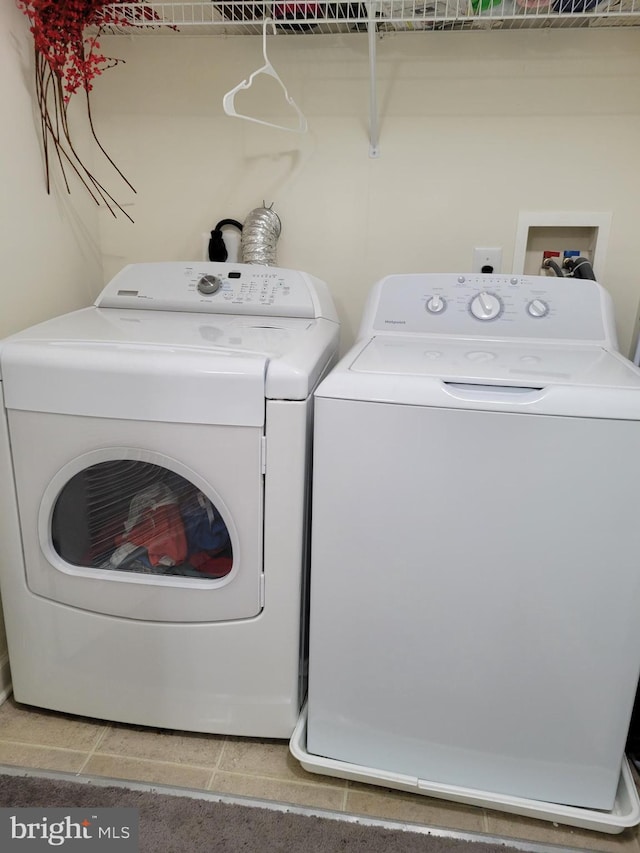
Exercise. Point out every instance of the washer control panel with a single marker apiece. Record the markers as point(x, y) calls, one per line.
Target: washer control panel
point(491, 306)
point(218, 288)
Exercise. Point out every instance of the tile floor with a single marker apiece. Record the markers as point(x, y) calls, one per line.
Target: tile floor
point(35, 738)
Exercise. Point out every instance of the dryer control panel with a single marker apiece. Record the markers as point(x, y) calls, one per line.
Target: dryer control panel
point(218, 288)
point(491, 306)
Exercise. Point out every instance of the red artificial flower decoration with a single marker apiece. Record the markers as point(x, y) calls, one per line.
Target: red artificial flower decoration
point(67, 60)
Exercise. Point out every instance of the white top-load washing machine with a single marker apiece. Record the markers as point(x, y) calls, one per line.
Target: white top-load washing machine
point(154, 470)
point(475, 572)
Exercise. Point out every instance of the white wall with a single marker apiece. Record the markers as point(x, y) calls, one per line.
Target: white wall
point(50, 255)
point(474, 127)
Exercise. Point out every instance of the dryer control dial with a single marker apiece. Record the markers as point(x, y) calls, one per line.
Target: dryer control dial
point(485, 306)
point(209, 284)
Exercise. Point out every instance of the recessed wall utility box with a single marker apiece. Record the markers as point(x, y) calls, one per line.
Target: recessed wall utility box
point(565, 232)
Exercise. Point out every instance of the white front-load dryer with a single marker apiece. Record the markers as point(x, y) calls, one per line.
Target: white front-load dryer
point(475, 587)
point(154, 451)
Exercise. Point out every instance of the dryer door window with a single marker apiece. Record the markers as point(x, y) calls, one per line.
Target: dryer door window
point(87, 492)
point(126, 515)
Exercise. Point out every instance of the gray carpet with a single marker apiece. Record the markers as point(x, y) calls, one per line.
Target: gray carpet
point(172, 823)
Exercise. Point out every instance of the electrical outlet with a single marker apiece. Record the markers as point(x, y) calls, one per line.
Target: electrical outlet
point(485, 258)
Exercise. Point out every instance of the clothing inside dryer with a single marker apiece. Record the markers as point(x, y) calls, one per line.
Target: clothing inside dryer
point(126, 515)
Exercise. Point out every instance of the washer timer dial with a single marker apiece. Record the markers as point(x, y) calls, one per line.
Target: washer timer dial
point(485, 306)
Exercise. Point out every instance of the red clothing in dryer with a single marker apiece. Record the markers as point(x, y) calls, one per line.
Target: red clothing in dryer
point(210, 565)
point(161, 532)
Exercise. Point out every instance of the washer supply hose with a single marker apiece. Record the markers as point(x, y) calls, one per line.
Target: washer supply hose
point(260, 234)
point(549, 263)
point(580, 268)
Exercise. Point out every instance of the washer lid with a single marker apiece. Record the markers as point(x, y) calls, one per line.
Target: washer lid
point(483, 374)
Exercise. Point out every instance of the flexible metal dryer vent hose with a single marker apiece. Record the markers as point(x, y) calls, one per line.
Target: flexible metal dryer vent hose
point(260, 234)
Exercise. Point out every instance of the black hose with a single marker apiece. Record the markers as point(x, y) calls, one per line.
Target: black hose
point(580, 268)
point(551, 264)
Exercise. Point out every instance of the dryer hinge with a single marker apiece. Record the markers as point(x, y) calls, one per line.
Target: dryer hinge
point(263, 454)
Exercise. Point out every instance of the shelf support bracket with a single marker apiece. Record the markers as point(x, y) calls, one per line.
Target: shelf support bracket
point(374, 149)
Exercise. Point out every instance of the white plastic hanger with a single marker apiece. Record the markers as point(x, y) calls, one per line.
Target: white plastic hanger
point(267, 68)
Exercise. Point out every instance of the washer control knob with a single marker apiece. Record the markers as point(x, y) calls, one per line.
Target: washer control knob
point(209, 284)
point(485, 306)
point(513, 280)
point(537, 308)
point(435, 304)
point(461, 279)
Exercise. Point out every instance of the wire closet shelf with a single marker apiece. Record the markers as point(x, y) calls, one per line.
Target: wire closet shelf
point(237, 17)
